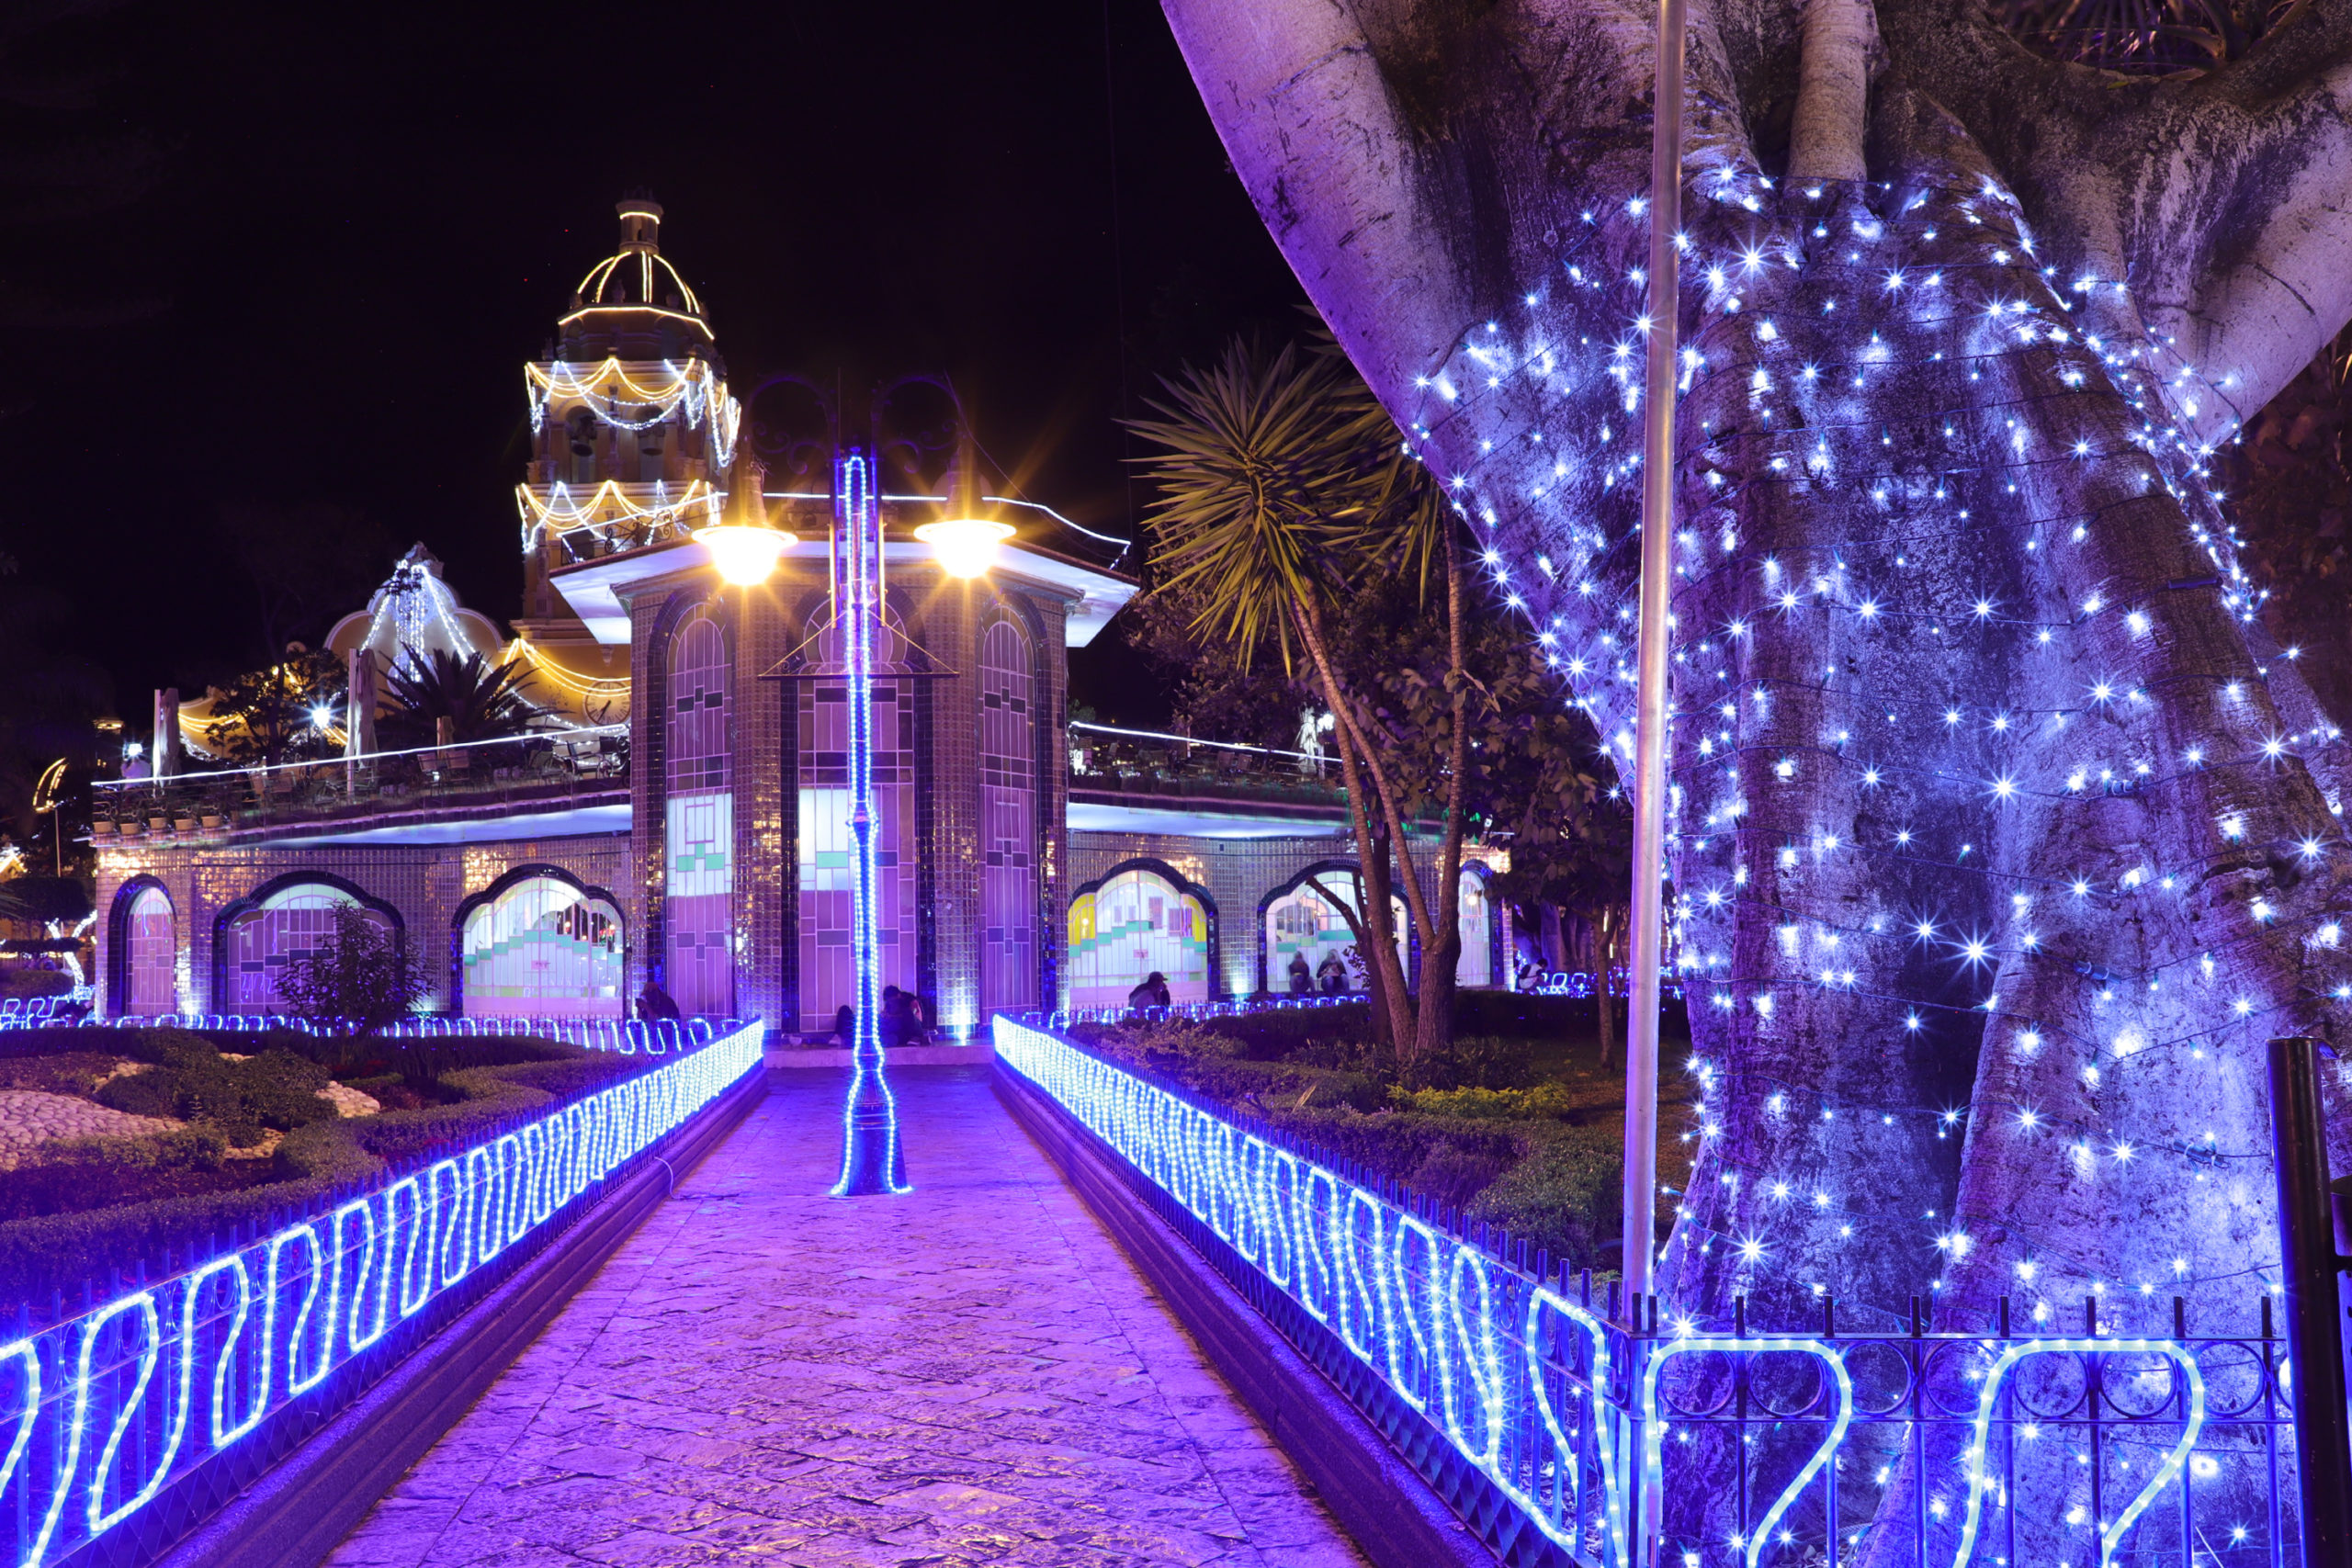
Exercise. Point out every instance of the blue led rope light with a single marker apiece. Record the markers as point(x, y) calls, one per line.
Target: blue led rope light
point(1432, 1317)
point(115, 1398)
point(1654, 1422)
point(2112, 1535)
point(872, 1161)
point(1424, 1316)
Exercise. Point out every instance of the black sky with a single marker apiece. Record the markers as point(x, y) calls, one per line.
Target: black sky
point(295, 257)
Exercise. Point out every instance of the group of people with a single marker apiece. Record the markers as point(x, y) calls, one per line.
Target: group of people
point(1331, 977)
point(901, 1021)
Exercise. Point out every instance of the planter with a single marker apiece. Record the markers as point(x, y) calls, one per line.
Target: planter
point(131, 830)
point(102, 829)
point(211, 819)
point(183, 824)
point(158, 824)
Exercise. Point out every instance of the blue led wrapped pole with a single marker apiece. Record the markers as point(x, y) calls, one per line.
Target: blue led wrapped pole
point(872, 1161)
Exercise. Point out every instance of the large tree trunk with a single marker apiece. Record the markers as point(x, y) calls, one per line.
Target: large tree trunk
point(2004, 839)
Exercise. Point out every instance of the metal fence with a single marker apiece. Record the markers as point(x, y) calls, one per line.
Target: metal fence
point(1565, 1431)
point(624, 1036)
point(540, 766)
point(1575, 986)
point(128, 1424)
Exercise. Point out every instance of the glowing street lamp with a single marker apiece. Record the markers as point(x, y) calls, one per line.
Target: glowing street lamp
point(965, 542)
point(745, 546)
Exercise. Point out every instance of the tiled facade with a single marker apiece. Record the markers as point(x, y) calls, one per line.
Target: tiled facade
point(424, 884)
point(1240, 877)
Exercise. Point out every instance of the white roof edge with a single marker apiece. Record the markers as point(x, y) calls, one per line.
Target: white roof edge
point(592, 589)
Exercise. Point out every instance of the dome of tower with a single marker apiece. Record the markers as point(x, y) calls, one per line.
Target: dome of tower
point(636, 289)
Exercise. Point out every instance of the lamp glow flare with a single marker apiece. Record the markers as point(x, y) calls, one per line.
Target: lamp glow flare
point(964, 547)
point(744, 554)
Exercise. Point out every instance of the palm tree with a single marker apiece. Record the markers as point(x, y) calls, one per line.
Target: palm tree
point(480, 699)
point(1281, 481)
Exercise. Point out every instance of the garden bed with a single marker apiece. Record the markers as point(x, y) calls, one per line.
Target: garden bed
point(233, 1130)
point(1520, 1127)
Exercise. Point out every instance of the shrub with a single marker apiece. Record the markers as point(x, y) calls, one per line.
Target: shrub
point(362, 974)
point(86, 1173)
point(32, 980)
point(1549, 1101)
point(69, 1072)
point(1483, 1138)
point(1565, 1195)
point(191, 1081)
point(88, 1232)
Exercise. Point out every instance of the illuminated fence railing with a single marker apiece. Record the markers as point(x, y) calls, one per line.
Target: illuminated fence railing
point(1572, 984)
point(126, 1426)
point(1563, 1435)
point(626, 1036)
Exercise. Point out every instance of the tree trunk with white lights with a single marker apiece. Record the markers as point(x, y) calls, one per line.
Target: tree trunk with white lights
point(2003, 837)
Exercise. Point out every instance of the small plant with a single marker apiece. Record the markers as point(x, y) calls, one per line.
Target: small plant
point(360, 974)
point(191, 1081)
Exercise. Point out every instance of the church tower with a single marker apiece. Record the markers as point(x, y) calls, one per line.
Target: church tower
point(632, 426)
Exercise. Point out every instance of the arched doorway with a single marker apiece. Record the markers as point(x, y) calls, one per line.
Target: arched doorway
point(285, 920)
point(1476, 966)
point(146, 944)
point(537, 944)
point(827, 848)
point(1139, 920)
point(1309, 945)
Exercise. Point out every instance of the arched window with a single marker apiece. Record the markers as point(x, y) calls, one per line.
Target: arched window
point(260, 941)
point(698, 845)
point(1008, 821)
point(827, 848)
point(1308, 944)
point(1135, 922)
point(542, 946)
point(151, 955)
point(1476, 966)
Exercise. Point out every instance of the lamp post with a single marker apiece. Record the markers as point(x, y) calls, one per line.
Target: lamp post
point(745, 549)
point(872, 1161)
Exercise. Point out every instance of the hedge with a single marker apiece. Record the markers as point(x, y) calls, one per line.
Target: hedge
point(77, 1255)
point(1495, 1154)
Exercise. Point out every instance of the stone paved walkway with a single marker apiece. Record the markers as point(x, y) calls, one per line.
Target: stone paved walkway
point(973, 1374)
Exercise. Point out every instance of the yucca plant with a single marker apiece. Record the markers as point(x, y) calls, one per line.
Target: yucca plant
point(1281, 481)
point(479, 698)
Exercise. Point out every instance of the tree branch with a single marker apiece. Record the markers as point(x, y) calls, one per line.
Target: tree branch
point(2223, 201)
point(1833, 91)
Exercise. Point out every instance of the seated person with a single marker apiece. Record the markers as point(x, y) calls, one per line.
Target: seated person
point(902, 1018)
point(1332, 974)
point(1301, 979)
point(654, 1002)
point(1152, 993)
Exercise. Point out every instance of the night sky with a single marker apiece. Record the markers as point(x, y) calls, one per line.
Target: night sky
point(293, 259)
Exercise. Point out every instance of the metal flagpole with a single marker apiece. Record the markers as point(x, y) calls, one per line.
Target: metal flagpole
point(1649, 724)
point(1649, 728)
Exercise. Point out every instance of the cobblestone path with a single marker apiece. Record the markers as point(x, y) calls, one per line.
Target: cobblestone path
point(972, 1374)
